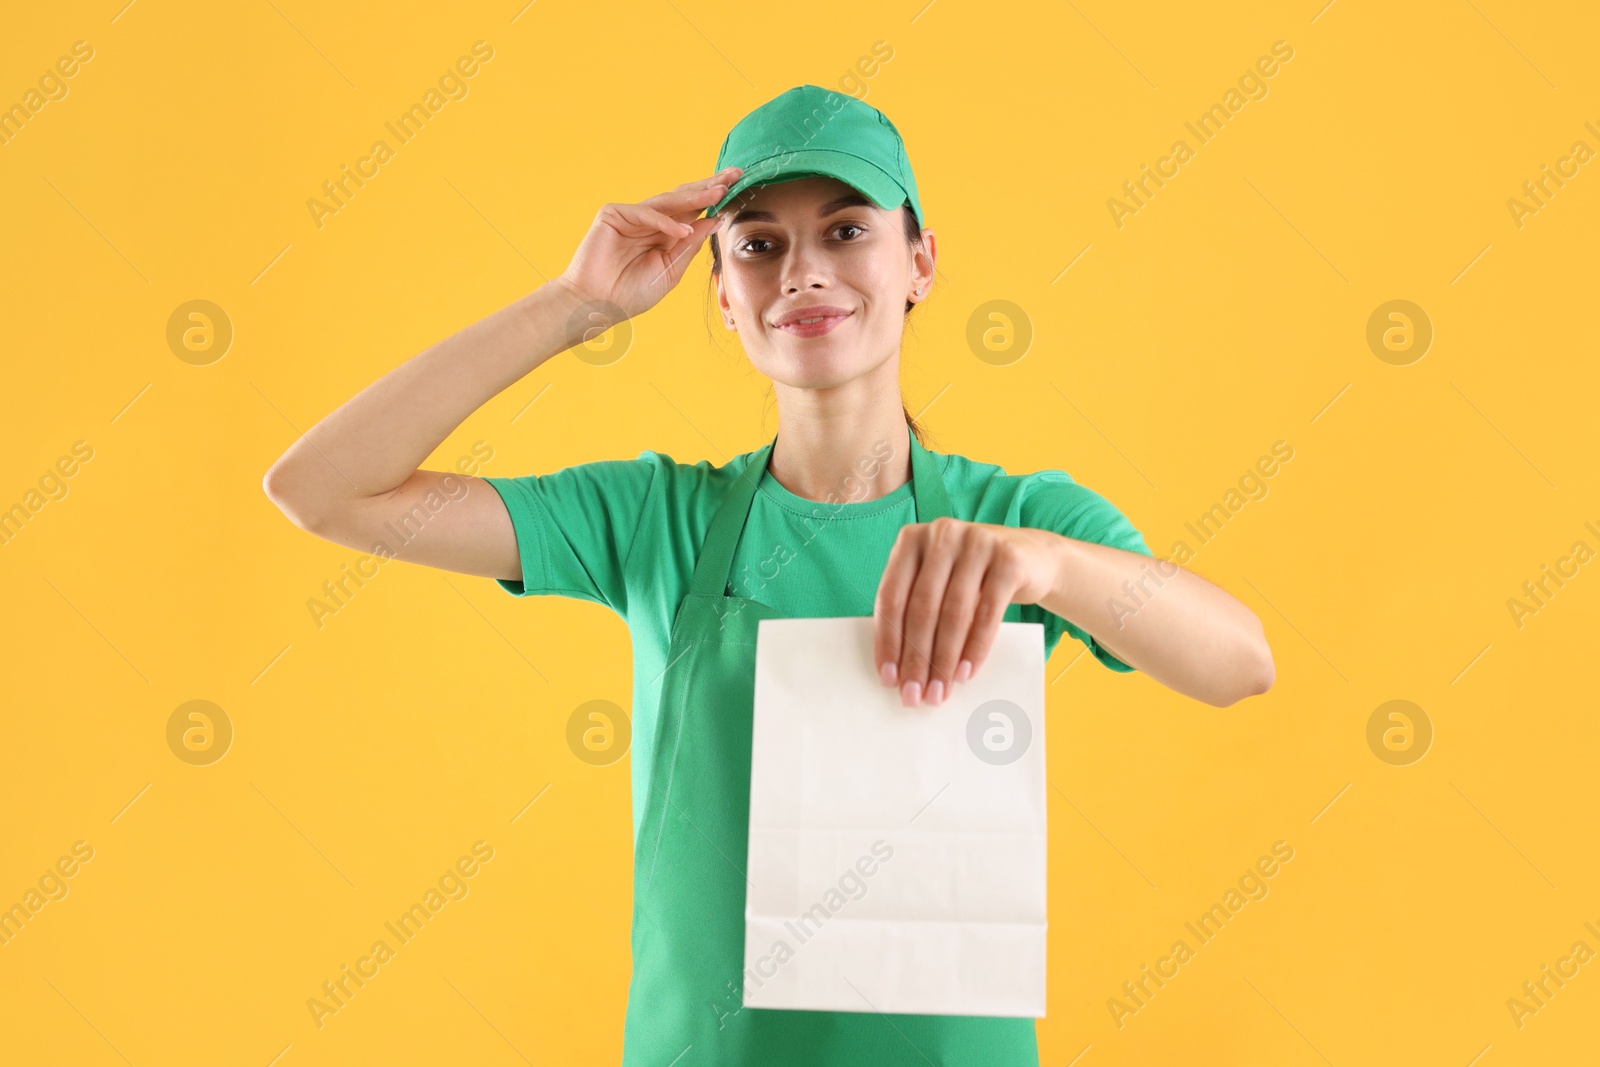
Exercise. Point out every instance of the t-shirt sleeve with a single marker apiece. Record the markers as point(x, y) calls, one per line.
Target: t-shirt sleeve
point(1053, 501)
point(576, 527)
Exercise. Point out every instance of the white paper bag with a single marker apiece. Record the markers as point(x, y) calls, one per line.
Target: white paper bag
point(897, 855)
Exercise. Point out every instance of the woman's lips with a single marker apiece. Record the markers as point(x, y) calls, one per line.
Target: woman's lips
point(815, 329)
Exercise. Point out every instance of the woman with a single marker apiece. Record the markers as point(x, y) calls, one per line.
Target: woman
point(818, 260)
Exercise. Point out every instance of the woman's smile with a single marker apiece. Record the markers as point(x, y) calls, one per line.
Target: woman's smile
point(812, 322)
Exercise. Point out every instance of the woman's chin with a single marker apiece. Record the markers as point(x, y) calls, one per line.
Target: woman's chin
point(816, 377)
point(818, 368)
point(825, 362)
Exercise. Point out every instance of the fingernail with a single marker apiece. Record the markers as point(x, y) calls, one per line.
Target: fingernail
point(888, 672)
point(935, 692)
point(910, 694)
point(963, 670)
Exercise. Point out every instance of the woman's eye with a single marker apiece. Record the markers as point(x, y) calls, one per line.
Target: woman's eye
point(751, 245)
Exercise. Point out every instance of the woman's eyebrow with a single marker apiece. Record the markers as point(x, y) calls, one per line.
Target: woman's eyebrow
point(832, 206)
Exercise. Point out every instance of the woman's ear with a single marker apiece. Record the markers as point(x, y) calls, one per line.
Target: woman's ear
point(722, 304)
point(922, 264)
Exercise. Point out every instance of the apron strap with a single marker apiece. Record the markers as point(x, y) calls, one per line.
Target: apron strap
point(927, 485)
point(712, 569)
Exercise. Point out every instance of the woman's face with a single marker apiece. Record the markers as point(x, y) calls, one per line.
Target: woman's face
point(816, 246)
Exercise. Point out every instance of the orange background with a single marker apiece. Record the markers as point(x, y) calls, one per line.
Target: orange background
point(1167, 354)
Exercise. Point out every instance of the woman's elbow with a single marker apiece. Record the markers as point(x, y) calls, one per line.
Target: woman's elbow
point(1265, 674)
point(1252, 677)
point(283, 489)
point(1258, 675)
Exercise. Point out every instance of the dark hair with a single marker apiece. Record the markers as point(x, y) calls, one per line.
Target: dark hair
point(913, 235)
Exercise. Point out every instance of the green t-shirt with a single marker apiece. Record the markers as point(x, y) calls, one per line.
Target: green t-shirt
point(626, 534)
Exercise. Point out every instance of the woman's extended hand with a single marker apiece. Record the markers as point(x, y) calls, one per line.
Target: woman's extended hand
point(634, 254)
point(944, 593)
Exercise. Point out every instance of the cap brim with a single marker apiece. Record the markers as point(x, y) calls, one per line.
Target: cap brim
point(870, 179)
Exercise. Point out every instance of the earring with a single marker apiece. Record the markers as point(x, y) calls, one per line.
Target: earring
point(919, 292)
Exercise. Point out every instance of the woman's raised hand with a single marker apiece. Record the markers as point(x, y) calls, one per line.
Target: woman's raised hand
point(634, 254)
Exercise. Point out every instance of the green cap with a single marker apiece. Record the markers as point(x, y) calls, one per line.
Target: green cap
point(811, 132)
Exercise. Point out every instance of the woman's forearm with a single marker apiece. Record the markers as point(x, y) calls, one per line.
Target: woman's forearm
point(373, 442)
point(1170, 623)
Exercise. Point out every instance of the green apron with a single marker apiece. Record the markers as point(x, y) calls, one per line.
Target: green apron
point(685, 1002)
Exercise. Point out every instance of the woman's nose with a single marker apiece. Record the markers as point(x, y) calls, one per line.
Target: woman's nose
point(804, 268)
